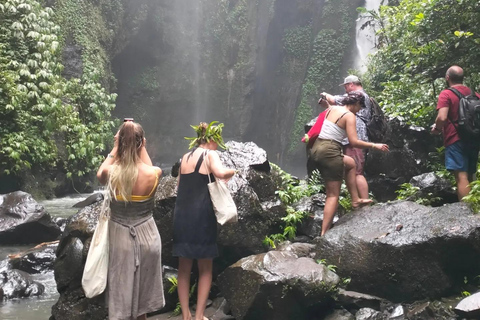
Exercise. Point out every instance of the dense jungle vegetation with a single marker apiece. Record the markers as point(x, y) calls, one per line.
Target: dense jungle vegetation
point(48, 124)
point(51, 124)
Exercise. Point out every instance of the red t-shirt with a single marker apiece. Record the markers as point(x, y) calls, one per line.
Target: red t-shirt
point(448, 99)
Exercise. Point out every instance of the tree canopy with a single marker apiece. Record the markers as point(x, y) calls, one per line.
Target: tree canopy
point(417, 41)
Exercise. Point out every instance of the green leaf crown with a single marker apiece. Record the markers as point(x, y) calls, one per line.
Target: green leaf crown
point(212, 132)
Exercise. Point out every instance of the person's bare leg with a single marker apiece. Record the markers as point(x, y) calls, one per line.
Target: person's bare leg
point(463, 188)
point(362, 186)
point(204, 284)
point(183, 288)
point(351, 182)
point(331, 204)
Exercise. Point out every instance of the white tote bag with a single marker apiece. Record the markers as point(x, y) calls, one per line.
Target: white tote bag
point(94, 278)
point(223, 205)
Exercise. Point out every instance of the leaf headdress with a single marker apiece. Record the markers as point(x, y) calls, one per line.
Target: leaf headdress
point(212, 132)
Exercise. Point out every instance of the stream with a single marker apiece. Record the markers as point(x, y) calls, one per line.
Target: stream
point(38, 308)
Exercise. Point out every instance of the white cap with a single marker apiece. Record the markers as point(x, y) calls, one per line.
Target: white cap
point(350, 79)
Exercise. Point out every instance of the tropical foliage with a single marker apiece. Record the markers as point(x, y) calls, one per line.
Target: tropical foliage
point(47, 123)
point(417, 42)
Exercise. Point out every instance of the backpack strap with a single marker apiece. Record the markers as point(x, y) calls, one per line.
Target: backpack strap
point(458, 93)
point(460, 96)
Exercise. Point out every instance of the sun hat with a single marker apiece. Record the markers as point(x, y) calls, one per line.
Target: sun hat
point(350, 79)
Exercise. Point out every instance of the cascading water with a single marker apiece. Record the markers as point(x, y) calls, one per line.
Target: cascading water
point(365, 39)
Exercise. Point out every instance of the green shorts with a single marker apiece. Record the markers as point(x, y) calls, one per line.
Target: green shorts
point(327, 156)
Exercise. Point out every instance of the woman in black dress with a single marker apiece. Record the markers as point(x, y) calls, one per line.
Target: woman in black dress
point(195, 225)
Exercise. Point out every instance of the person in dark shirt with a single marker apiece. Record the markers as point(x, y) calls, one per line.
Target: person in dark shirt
point(460, 156)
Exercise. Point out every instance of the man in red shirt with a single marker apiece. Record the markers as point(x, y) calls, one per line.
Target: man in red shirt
point(460, 156)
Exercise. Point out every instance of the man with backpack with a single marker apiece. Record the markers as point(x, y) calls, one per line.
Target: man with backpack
point(353, 83)
point(458, 118)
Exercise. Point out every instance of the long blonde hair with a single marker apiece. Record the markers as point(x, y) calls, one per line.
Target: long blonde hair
point(124, 172)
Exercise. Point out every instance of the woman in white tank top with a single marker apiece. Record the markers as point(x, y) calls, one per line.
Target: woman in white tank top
point(340, 123)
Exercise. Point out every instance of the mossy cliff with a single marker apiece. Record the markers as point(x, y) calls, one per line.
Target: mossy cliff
point(257, 66)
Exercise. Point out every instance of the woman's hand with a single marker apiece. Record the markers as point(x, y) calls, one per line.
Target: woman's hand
point(381, 146)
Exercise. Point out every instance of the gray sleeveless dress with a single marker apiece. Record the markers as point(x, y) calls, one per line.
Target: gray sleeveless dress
point(135, 284)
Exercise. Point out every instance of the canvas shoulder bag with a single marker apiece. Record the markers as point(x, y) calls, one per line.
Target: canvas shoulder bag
point(94, 279)
point(223, 204)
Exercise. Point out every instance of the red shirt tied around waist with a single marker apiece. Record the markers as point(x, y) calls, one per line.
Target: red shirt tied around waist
point(448, 99)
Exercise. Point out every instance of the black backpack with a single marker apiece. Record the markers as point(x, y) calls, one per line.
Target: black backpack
point(377, 126)
point(468, 123)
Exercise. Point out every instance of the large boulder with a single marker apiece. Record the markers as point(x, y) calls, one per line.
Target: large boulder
point(253, 190)
point(278, 285)
point(403, 251)
point(24, 221)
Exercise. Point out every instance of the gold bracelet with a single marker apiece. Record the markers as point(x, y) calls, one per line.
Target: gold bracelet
point(373, 145)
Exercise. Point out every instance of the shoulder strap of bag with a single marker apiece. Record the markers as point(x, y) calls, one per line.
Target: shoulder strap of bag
point(460, 96)
point(205, 155)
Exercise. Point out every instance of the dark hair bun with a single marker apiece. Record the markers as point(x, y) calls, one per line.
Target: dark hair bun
point(354, 97)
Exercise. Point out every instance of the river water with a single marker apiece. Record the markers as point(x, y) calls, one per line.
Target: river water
point(38, 308)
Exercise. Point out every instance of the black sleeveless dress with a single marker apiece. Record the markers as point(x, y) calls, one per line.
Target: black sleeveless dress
point(194, 223)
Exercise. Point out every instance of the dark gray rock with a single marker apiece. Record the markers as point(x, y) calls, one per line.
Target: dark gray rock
point(354, 301)
point(469, 307)
point(410, 149)
point(72, 59)
point(39, 259)
point(431, 253)
point(277, 285)
point(368, 314)
point(24, 221)
point(432, 186)
point(96, 197)
point(19, 284)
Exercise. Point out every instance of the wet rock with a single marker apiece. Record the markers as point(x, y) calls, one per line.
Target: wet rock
point(427, 258)
point(24, 221)
point(469, 307)
point(340, 314)
point(61, 222)
point(298, 249)
point(39, 259)
point(410, 149)
point(311, 225)
point(421, 311)
point(19, 284)
point(368, 314)
point(354, 301)
point(73, 305)
point(277, 285)
point(398, 313)
point(96, 197)
point(432, 186)
point(69, 264)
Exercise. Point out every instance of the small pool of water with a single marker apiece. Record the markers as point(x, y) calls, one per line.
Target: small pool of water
point(38, 308)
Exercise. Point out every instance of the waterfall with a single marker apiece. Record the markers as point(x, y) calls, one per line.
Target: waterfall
point(365, 39)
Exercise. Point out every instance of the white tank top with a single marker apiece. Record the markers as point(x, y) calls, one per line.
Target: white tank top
point(331, 131)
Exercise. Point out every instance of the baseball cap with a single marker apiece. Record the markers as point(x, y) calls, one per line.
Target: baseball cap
point(350, 79)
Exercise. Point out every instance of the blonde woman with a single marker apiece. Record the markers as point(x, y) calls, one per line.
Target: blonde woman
point(195, 225)
point(135, 284)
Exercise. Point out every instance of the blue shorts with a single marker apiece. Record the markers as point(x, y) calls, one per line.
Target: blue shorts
point(461, 156)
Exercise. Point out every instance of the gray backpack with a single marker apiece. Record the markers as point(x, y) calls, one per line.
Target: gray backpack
point(468, 123)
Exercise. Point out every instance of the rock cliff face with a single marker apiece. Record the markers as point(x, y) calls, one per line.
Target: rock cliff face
point(254, 65)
